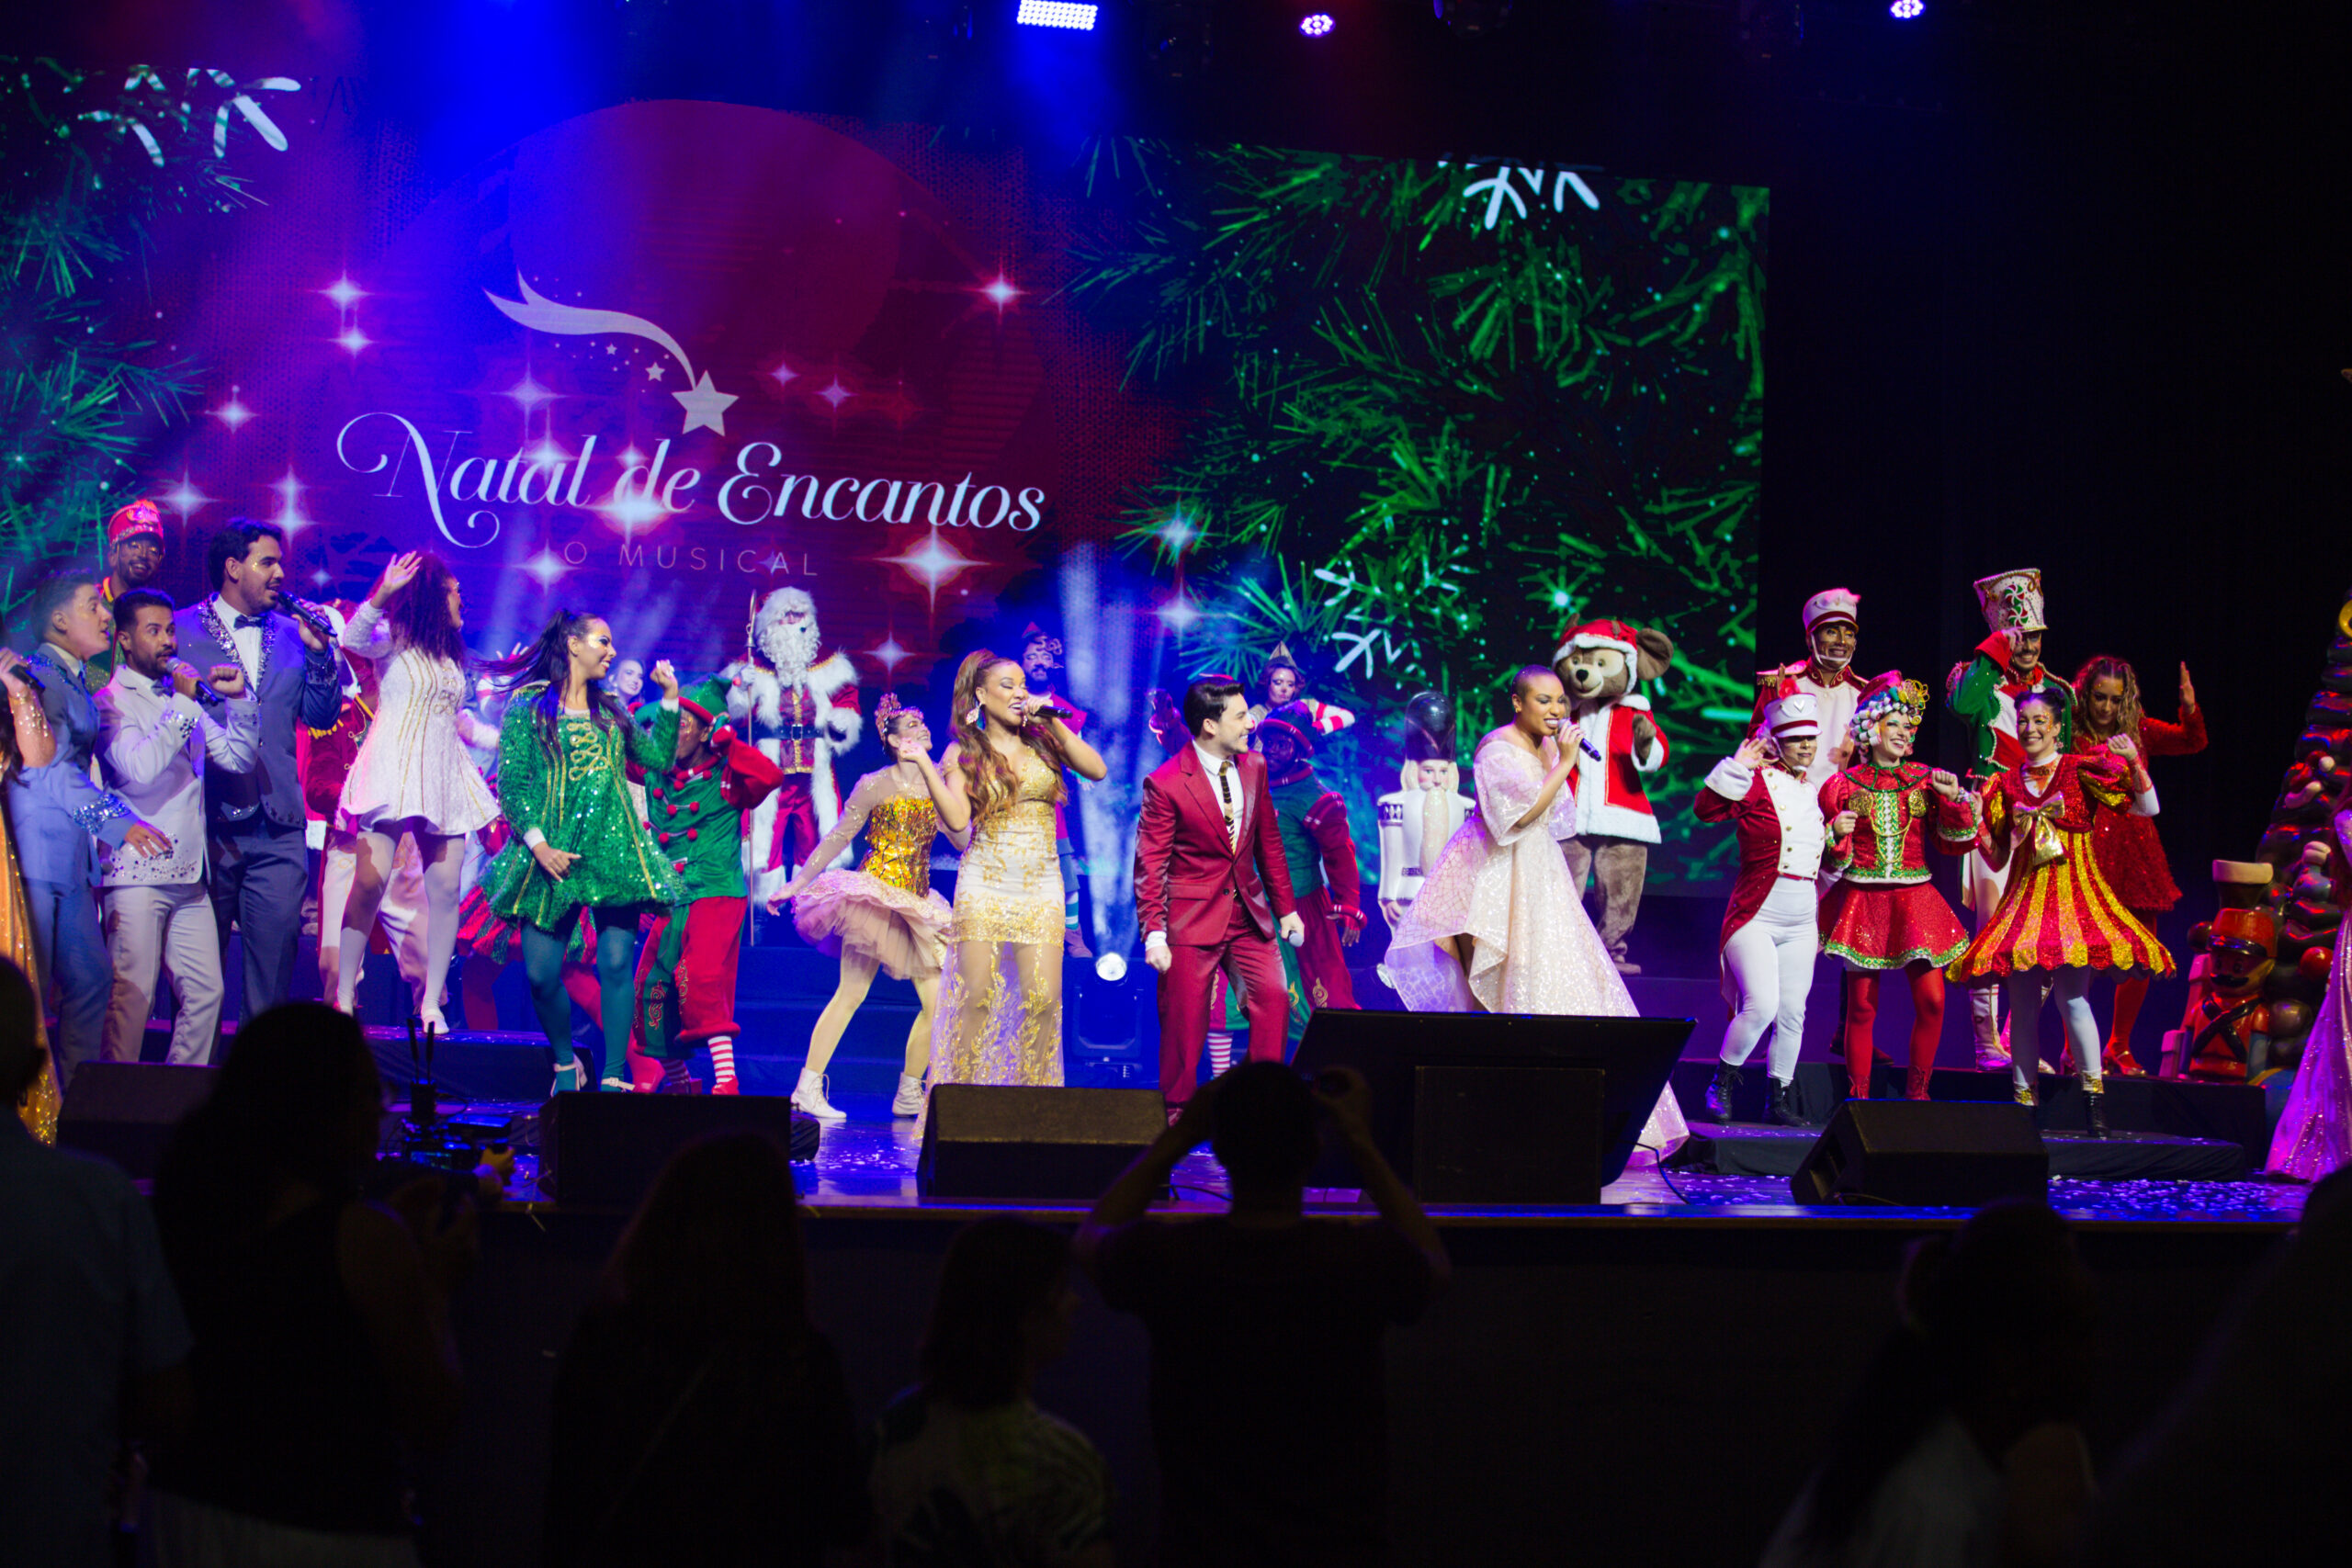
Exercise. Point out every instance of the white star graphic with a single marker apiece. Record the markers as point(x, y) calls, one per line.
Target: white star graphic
point(653, 371)
point(705, 406)
point(835, 393)
point(890, 655)
point(345, 293)
point(529, 394)
point(353, 340)
point(934, 563)
point(785, 374)
point(186, 498)
point(233, 413)
point(546, 566)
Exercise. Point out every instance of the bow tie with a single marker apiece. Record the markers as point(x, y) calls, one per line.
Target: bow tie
point(244, 622)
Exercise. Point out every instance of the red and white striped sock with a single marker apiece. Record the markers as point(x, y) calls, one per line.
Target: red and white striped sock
point(1220, 1052)
point(722, 1058)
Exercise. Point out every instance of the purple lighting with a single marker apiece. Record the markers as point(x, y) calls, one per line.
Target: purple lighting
point(1315, 24)
point(1905, 10)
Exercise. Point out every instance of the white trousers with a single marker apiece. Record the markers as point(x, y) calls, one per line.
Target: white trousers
point(400, 914)
point(2072, 987)
point(150, 930)
point(1770, 961)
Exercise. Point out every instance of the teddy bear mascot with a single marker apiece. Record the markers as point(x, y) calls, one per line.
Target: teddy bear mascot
point(1599, 663)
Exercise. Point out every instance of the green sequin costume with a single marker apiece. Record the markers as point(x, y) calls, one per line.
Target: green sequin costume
point(576, 800)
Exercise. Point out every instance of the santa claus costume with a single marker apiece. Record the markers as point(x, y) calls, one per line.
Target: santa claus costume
point(2107, 703)
point(1769, 937)
point(1983, 693)
point(1826, 675)
point(2058, 919)
point(1882, 912)
point(801, 712)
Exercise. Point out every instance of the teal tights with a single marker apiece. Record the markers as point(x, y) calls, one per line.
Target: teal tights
point(616, 984)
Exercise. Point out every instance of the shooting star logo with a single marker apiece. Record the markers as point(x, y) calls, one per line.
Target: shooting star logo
point(704, 404)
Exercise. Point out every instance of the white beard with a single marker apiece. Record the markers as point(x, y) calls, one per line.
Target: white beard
point(791, 650)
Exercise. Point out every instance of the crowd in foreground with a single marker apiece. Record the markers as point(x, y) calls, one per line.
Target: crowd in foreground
point(239, 1371)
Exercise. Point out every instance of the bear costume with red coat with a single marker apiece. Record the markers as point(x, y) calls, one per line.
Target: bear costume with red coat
point(1599, 663)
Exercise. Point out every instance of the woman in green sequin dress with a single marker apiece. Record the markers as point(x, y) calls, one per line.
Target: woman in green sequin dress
point(883, 917)
point(1001, 1015)
point(579, 843)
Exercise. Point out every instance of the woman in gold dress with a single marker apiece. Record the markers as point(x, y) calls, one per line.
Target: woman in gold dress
point(25, 743)
point(883, 916)
point(1001, 1015)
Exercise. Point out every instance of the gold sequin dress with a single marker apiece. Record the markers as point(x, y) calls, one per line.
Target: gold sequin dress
point(39, 1109)
point(884, 909)
point(1008, 895)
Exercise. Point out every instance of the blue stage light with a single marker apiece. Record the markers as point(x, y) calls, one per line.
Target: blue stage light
point(1905, 10)
point(1057, 13)
point(1315, 24)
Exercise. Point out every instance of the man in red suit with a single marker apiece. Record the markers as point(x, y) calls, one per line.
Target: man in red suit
point(1212, 888)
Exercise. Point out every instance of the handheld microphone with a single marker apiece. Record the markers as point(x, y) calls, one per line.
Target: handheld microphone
point(311, 616)
point(25, 673)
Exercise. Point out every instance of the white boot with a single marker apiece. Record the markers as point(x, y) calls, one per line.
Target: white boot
point(909, 1101)
point(810, 1096)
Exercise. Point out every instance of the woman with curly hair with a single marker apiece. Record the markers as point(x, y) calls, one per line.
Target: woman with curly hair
point(883, 916)
point(2106, 703)
point(579, 843)
point(999, 1022)
point(412, 777)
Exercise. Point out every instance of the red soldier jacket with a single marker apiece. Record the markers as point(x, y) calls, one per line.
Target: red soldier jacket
point(1779, 824)
point(697, 815)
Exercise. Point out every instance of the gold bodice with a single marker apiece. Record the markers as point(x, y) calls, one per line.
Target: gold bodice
point(898, 839)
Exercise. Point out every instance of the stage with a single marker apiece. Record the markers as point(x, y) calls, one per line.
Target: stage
point(1691, 1325)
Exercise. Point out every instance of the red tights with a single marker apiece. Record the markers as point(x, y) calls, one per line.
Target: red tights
point(1927, 1026)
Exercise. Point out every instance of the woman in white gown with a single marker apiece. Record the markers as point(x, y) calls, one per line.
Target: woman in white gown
point(412, 777)
point(1498, 926)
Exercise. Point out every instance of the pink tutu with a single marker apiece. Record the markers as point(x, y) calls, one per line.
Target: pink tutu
point(906, 934)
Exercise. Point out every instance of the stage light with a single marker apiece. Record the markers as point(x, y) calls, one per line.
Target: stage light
point(1471, 18)
point(1111, 967)
point(1056, 13)
point(1905, 10)
point(1317, 24)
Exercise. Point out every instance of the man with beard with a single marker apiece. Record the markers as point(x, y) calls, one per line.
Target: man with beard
point(134, 559)
point(801, 712)
point(1041, 658)
point(1826, 675)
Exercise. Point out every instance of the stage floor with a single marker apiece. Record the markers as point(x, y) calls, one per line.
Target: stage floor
point(865, 1168)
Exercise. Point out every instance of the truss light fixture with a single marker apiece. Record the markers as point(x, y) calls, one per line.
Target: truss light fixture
point(1071, 18)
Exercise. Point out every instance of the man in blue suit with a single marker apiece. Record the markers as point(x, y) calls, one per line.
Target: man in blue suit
point(259, 864)
point(60, 816)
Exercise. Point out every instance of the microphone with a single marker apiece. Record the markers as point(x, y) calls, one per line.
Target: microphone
point(311, 616)
point(25, 673)
point(203, 694)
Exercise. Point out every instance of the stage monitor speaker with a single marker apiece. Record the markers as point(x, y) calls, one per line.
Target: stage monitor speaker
point(1925, 1155)
point(125, 1111)
point(1005, 1141)
point(1634, 1056)
point(603, 1150)
point(1552, 1156)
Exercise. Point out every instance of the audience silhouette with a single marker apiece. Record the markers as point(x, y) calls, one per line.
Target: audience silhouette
point(323, 1344)
point(699, 1416)
point(1268, 1411)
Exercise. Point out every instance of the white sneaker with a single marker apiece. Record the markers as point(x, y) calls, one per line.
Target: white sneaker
point(810, 1096)
point(431, 1019)
point(909, 1101)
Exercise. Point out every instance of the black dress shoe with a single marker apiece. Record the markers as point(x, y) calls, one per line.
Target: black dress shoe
point(1719, 1092)
point(1785, 1110)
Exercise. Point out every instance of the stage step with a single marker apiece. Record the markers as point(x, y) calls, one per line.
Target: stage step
point(2173, 1107)
point(1747, 1150)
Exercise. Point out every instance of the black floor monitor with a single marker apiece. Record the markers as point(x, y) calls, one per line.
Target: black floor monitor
point(1635, 1056)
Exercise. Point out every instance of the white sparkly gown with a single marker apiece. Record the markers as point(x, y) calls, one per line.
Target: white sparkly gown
point(1508, 888)
point(412, 771)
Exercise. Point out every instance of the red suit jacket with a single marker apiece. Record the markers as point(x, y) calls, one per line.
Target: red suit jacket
point(1185, 875)
point(1757, 822)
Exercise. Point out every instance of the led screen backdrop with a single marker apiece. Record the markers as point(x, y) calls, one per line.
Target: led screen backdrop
point(1179, 404)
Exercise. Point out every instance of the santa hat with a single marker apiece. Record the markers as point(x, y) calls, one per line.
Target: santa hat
point(138, 517)
point(2011, 600)
point(1796, 717)
point(1599, 634)
point(1831, 604)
